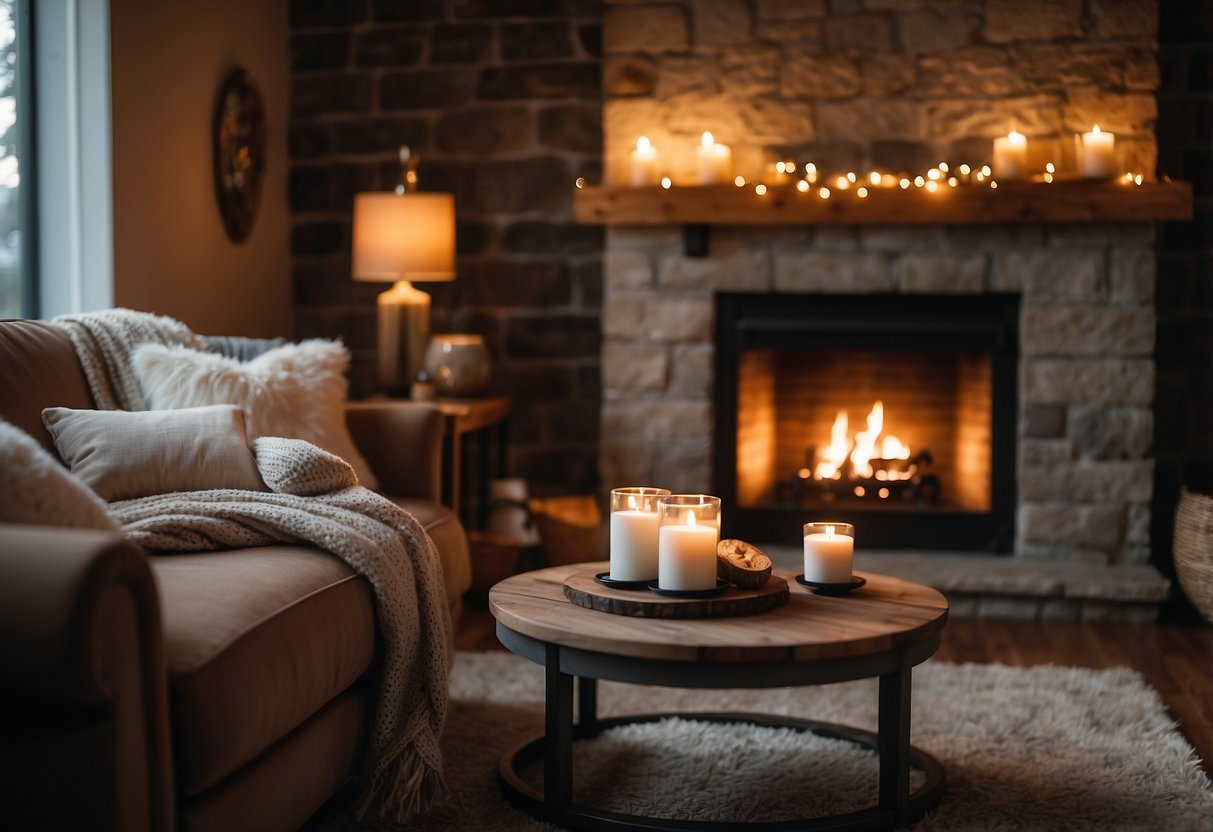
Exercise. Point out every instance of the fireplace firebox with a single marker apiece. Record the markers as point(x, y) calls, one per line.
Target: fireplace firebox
point(896, 413)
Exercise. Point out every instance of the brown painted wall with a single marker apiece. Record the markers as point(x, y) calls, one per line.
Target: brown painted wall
point(171, 254)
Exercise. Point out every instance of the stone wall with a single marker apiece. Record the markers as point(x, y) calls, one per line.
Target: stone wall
point(901, 86)
point(503, 101)
point(1184, 430)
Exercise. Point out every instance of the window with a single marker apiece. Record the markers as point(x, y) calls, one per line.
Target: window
point(15, 295)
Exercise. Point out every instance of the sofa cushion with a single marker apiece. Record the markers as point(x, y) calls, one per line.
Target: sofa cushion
point(256, 641)
point(38, 369)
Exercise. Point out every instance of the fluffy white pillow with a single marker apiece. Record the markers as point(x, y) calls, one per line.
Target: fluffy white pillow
point(296, 391)
point(36, 489)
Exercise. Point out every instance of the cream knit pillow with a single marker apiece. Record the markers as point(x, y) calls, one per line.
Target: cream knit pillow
point(36, 489)
point(296, 391)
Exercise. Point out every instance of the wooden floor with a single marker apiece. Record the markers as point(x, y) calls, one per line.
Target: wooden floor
point(1176, 659)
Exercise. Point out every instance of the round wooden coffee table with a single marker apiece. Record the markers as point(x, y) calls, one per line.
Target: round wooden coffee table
point(883, 629)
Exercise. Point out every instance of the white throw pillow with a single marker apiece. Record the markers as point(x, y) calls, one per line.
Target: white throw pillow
point(122, 454)
point(36, 489)
point(296, 391)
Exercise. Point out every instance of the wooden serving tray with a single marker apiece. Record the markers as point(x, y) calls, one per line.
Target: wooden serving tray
point(583, 591)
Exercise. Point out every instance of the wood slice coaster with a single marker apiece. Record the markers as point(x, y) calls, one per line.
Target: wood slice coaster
point(584, 591)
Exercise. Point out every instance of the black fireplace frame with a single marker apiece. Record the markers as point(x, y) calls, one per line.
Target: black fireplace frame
point(987, 322)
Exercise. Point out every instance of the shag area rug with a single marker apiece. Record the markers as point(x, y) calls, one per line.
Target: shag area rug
point(1037, 748)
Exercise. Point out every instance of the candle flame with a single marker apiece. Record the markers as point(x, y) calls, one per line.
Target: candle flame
point(691, 519)
point(1015, 137)
point(632, 502)
point(829, 531)
point(1095, 129)
point(643, 143)
point(708, 140)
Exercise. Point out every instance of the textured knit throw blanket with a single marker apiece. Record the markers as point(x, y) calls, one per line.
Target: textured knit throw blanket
point(314, 499)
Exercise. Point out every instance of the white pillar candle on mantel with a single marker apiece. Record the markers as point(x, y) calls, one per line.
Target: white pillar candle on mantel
point(644, 164)
point(715, 161)
point(686, 542)
point(829, 550)
point(1097, 154)
point(1011, 156)
point(634, 523)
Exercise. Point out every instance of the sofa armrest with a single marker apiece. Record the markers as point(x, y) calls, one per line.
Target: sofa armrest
point(402, 442)
point(82, 683)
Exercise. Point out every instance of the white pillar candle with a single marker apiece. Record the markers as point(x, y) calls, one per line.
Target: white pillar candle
point(634, 521)
point(1097, 154)
point(633, 545)
point(828, 552)
point(644, 164)
point(1011, 156)
point(687, 555)
point(715, 161)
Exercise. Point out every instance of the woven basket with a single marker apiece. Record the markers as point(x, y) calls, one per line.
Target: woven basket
point(1193, 549)
point(570, 529)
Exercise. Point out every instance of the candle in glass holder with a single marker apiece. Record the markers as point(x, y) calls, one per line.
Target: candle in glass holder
point(634, 524)
point(644, 164)
point(1011, 156)
point(829, 550)
point(687, 541)
point(1096, 153)
point(715, 161)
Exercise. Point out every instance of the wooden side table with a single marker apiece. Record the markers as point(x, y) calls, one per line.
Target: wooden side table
point(461, 419)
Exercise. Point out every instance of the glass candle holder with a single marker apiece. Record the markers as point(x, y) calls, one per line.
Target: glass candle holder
point(829, 552)
point(634, 524)
point(686, 541)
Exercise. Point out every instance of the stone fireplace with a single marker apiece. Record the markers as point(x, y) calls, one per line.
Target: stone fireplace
point(901, 87)
point(895, 413)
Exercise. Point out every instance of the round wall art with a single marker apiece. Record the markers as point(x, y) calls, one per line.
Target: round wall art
point(239, 133)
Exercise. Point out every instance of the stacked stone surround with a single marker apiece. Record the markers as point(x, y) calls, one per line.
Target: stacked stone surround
point(1086, 370)
point(898, 85)
point(503, 102)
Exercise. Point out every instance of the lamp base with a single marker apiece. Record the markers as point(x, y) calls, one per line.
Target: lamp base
point(404, 333)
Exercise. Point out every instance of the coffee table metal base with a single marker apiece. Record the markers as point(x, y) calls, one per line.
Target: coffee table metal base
point(574, 816)
point(897, 806)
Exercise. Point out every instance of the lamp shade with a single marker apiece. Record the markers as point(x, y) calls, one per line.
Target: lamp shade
point(407, 236)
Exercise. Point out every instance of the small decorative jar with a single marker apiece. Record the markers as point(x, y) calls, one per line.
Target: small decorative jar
point(458, 364)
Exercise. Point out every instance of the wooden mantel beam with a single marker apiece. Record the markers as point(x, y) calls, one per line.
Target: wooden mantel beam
point(1011, 202)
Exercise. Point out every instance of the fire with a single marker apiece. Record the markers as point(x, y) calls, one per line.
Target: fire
point(867, 445)
point(834, 454)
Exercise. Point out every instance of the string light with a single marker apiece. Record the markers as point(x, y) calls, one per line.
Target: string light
point(802, 186)
point(580, 183)
point(993, 184)
point(874, 178)
point(943, 166)
point(739, 181)
point(666, 182)
point(810, 172)
point(850, 176)
point(844, 182)
point(965, 170)
point(919, 181)
point(824, 193)
point(934, 173)
point(904, 183)
point(1137, 180)
point(760, 189)
point(953, 181)
point(862, 193)
point(932, 186)
point(985, 170)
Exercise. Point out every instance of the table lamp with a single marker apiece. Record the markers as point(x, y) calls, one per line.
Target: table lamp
point(401, 237)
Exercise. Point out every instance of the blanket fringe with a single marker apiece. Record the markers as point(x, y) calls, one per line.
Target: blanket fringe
point(408, 786)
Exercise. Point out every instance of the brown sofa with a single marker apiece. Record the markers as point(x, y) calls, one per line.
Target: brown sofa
point(229, 690)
